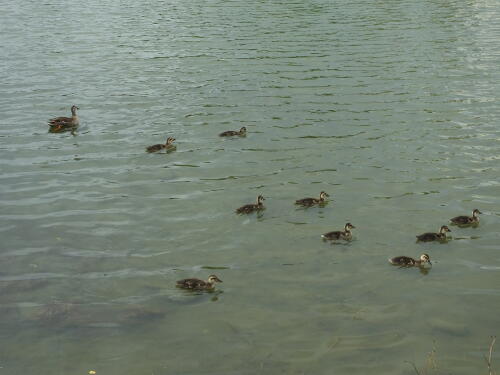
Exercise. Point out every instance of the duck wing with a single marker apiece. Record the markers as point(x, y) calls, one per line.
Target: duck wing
point(402, 261)
point(425, 237)
point(332, 235)
point(154, 148)
point(191, 284)
point(246, 209)
point(228, 133)
point(460, 220)
point(306, 202)
point(56, 120)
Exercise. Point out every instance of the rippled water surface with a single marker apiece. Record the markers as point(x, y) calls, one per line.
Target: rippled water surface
point(392, 107)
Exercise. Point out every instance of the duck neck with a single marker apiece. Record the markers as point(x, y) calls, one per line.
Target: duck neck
point(210, 284)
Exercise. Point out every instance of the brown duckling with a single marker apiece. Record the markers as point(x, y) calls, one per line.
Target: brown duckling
point(441, 236)
point(249, 208)
point(340, 235)
point(197, 284)
point(168, 146)
point(404, 261)
point(308, 202)
point(242, 132)
point(467, 220)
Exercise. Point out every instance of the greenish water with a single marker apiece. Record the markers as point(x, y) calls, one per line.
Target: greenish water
point(389, 106)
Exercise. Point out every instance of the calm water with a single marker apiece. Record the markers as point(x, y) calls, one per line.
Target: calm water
point(392, 107)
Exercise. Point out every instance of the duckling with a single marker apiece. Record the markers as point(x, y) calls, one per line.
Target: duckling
point(249, 208)
point(308, 202)
point(197, 284)
point(465, 220)
point(168, 146)
point(403, 261)
point(63, 123)
point(441, 236)
point(340, 235)
point(242, 132)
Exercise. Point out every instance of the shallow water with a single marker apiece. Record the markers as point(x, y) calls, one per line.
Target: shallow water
point(389, 106)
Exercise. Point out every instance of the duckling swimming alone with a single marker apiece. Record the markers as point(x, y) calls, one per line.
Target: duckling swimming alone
point(404, 261)
point(168, 146)
point(249, 208)
point(340, 235)
point(197, 284)
point(242, 132)
point(441, 236)
point(63, 123)
point(308, 202)
point(465, 220)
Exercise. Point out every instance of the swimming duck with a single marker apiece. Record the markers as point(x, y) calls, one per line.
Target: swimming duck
point(441, 236)
point(340, 235)
point(242, 132)
point(73, 120)
point(249, 208)
point(465, 220)
point(410, 262)
point(308, 202)
point(168, 146)
point(197, 284)
point(61, 123)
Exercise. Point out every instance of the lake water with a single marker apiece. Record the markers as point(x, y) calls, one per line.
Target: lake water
point(392, 107)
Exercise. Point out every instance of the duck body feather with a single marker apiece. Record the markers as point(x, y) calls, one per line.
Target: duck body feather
point(196, 284)
point(249, 208)
point(307, 202)
point(464, 220)
point(428, 237)
point(229, 133)
point(65, 122)
point(337, 235)
point(61, 127)
point(155, 148)
point(168, 146)
point(403, 261)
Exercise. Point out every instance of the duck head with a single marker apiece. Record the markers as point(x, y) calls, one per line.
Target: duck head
point(212, 279)
point(323, 195)
point(260, 198)
point(348, 227)
point(444, 229)
point(170, 140)
point(73, 110)
point(476, 212)
point(425, 258)
point(243, 130)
